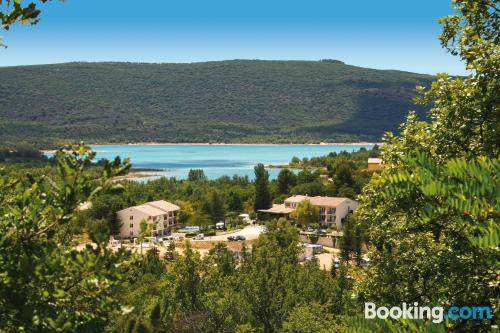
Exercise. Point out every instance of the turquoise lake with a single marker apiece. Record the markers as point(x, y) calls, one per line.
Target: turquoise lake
point(216, 160)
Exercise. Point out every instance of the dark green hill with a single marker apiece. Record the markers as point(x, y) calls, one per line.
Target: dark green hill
point(232, 101)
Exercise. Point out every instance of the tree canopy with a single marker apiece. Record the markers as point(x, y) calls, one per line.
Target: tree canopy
point(432, 214)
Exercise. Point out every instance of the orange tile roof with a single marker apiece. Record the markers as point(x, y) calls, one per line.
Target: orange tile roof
point(163, 205)
point(277, 209)
point(149, 210)
point(317, 201)
point(156, 208)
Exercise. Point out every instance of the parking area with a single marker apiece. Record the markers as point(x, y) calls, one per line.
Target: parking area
point(250, 232)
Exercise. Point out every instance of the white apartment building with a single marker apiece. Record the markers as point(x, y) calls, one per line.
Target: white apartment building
point(162, 214)
point(332, 210)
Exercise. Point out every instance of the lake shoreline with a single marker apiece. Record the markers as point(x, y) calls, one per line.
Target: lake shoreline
point(53, 151)
point(154, 160)
point(237, 144)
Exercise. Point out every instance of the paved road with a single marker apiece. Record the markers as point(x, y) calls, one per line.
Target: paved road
point(250, 232)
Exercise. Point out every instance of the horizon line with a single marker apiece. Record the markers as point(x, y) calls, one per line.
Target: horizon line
point(187, 62)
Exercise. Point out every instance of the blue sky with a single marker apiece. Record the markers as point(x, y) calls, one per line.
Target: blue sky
point(385, 34)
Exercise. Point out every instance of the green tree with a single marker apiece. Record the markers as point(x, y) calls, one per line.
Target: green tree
point(223, 258)
point(17, 12)
point(199, 219)
point(145, 230)
point(152, 264)
point(196, 175)
point(185, 213)
point(432, 223)
point(307, 176)
point(98, 231)
point(286, 180)
point(188, 270)
point(266, 288)
point(234, 202)
point(309, 318)
point(262, 192)
point(347, 242)
point(306, 213)
point(343, 175)
point(217, 210)
point(358, 244)
point(146, 299)
point(105, 207)
point(464, 110)
point(312, 189)
point(47, 285)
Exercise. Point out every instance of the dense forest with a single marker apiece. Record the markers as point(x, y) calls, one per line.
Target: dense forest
point(227, 101)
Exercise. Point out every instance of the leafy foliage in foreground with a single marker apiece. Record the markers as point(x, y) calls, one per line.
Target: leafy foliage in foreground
point(45, 283)
point(18, 12)
point(360, 324)
point(470, 188)
point(431, 217)
point(268, 291)
point(228, 101)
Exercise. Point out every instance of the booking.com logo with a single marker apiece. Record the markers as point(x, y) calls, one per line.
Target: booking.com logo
point(436, 313)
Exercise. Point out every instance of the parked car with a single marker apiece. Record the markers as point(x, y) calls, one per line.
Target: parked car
point(199, 237)
point(365, 261)
point(336, 262)
point(174, 237)
point(236, 238)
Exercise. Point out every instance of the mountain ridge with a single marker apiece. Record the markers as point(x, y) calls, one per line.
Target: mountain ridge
point(235, 101)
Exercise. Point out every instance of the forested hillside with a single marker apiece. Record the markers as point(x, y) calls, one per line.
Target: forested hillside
point(227, 101)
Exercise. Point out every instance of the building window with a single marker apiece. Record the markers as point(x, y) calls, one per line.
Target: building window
point(131, 217)
point(131, 225)
point(131, 233)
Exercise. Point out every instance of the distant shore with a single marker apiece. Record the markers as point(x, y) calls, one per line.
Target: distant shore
point(140, 173)
point(53, 151)
point(237, 144)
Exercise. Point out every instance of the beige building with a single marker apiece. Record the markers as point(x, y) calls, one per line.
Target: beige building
point(161, 214)
point(374, 164)
point(332, 210)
